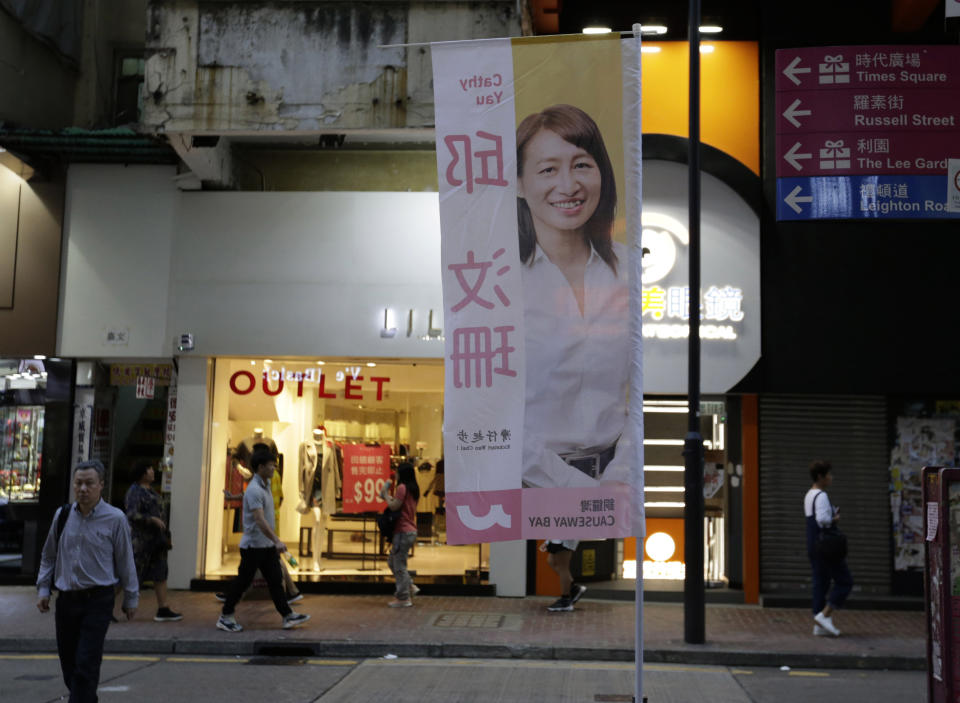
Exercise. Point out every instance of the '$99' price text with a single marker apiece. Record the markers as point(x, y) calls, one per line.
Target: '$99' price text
point(367, 491)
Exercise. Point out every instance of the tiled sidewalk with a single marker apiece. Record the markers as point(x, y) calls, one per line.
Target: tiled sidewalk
point(444, 626)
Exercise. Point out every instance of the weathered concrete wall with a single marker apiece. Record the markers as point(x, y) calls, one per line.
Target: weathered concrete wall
point(301, 67)
point(109, 26)
point(36, 86)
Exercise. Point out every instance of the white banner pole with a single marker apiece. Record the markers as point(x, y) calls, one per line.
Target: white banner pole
point(633, 127)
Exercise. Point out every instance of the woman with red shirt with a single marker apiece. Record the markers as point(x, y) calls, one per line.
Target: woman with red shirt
point(404, 499)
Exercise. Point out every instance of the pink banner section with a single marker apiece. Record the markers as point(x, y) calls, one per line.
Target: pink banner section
point(484, 516)
point(597, 512)
point(839, 67)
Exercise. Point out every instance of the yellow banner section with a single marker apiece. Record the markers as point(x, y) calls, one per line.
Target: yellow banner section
point(127, 374)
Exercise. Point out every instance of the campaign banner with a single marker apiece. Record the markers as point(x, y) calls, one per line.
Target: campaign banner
point(365, 470)
point(540, 222)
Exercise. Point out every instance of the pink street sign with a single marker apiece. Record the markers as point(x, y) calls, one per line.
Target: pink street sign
point(841, 67)
point(868, 110)
point(843, 153)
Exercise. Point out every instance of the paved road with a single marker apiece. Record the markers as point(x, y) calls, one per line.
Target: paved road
point(35, 678)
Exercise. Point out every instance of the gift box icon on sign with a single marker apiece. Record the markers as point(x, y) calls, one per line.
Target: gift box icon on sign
point(834, 70)
point(834, 155)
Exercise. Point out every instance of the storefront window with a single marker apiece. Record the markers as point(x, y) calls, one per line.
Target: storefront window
point(22, 386)
point(338, 426)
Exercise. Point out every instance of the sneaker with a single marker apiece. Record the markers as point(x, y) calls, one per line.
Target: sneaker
point(167, 615)
point(294, 619)
point(414, 589)
point(562, 604)
point(826, 623)
point(576, 592)
point(819, 631)
point(220, 596)
point(400, 603)
point(229, 624)
point(294, 598)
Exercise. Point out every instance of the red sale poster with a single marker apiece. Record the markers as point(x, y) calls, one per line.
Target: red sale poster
point(365, 470)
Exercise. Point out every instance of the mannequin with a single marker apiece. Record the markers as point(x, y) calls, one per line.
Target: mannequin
point(243, 451)
point(311, 495)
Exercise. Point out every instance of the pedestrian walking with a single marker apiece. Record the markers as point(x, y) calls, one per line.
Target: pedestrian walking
point(404, 499)
point(559, 555)
point(826, 549)
point(86, 554)
point(259, 547)
point(151, 538)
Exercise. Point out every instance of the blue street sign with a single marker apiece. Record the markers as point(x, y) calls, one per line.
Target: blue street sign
point(887, 197)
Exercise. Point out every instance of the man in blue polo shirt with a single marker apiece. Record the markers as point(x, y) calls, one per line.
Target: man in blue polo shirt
point(259, 547)
point(84, 561)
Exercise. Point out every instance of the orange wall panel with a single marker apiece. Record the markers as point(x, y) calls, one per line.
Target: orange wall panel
point(729, 96)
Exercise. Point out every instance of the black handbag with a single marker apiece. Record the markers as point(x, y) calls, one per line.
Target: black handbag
point(387, 522)
point(831, 542)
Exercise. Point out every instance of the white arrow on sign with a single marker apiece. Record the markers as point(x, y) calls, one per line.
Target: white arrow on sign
point(792, 113)
point(793, 158)
point(794, 197)
point(793, 69)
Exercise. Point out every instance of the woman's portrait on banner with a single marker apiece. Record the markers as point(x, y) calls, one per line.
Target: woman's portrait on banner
point(576, 302)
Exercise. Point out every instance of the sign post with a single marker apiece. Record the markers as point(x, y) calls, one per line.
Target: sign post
point(941, 511)
point(866, 132)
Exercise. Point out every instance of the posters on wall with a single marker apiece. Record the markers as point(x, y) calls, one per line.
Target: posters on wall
point(539, 219)
point(920, 442)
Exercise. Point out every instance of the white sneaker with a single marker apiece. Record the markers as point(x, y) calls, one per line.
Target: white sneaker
point(414, 589)
point(819, 631)
point(228, 623)
point(826, 623)
point(294, 619)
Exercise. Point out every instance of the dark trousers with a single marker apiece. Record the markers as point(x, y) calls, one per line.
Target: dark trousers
point(825, 572)
point(267, 560)
point(82, 619)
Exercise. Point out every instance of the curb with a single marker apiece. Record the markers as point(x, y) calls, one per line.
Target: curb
point(366, 650)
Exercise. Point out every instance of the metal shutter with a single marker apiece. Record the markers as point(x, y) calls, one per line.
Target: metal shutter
point(851, 433)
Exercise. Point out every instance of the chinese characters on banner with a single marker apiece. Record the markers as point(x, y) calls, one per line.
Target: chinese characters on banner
point(536, 271)
point(169, 439)
point(365, 470)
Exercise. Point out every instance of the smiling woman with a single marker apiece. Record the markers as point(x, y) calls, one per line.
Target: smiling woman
point(575, 301)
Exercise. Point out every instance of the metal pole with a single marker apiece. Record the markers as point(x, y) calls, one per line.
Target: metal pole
point(693, 594)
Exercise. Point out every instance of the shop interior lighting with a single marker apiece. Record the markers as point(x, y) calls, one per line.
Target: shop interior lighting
point(707, 48)
point(252, 362)
point(371, 364)
point(664, 504)
point(663, 442)
point(710, 29)
point(268, 361)
point(663, 467)
point(321, 363)
point(677, 409)
point(40, 357)
point(596, 30)
point(644, 49)
point(663, 489)
point(653, 29)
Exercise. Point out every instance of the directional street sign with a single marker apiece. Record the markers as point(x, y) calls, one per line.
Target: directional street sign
point(866, 131)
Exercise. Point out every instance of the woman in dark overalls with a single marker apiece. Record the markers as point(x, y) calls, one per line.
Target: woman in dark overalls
point(820, 513)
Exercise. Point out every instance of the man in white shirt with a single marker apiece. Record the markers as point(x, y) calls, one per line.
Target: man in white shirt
point(85, 556)
point(259, 547)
